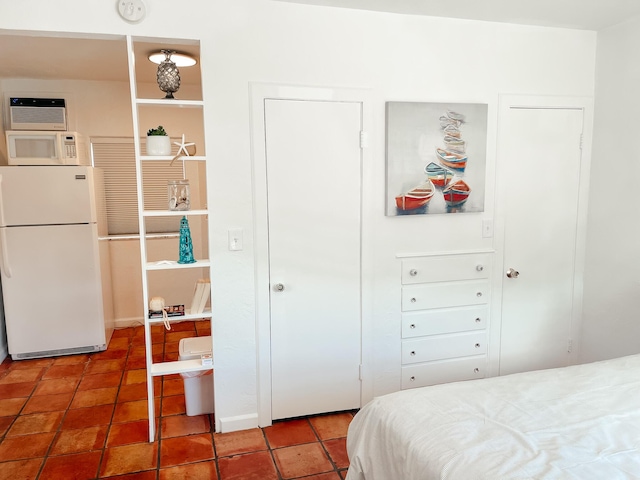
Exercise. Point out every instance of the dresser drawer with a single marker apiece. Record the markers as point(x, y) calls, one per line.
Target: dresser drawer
point(445, 371)
point(446, 320)
point(439, 295)
point(446, 268)
point(440, 347)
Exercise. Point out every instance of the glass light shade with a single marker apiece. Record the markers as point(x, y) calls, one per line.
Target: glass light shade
point(180, 59)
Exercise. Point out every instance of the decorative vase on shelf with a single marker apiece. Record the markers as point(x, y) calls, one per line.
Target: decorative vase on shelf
point(158, 142)
point(186, 247)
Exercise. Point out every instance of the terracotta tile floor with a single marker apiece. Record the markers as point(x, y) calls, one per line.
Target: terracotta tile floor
point(85, 417)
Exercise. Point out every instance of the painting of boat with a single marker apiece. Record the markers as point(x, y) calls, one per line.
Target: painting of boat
point(416, 197)
point(456, 193)
point(453, 160)
point(438, 175)
point(429, 147)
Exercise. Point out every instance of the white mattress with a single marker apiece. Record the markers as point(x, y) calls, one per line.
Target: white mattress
point(579, 422)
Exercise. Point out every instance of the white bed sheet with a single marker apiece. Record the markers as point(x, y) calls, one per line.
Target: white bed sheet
point(579, 422)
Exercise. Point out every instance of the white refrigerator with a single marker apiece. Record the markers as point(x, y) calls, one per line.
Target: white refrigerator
point(54, 260)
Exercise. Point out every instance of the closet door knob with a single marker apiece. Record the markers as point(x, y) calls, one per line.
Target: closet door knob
point(278, 287)
point(512, 273)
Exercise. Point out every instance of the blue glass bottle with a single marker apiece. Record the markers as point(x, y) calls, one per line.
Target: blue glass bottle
point(186, 247)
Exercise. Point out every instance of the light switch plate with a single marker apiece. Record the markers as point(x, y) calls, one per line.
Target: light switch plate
point(235, 239)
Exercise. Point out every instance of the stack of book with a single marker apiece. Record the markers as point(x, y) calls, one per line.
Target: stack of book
point(200, 296)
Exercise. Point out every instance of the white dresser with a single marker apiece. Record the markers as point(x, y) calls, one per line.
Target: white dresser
point(445, 312)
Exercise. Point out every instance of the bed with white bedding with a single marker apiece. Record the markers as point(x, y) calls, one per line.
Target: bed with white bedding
point(578, 422)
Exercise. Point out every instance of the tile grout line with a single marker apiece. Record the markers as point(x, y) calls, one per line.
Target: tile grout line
point(115, 404)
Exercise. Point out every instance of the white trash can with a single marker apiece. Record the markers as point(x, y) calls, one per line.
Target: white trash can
point(198, 386)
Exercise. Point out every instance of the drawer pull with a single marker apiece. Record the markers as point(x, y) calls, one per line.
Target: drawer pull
point(479, 294)
point(476, 370)
point(479, 268)
point(413, 353)
point(412, 379)
point(413, 272)
point(413, 300)
point(413, 325)
point(477, 345)
point(478, 320)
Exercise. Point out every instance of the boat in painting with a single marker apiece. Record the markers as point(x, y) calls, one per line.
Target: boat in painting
point(452, 118)
point(446, 122)
point(451, 131)
point(438, 175)
point(455, 144)
point(456, 193)
point(416, 197)
point(453, 160)
point(458, 117)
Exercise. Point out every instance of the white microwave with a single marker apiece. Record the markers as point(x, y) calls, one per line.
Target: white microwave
point(46, 148)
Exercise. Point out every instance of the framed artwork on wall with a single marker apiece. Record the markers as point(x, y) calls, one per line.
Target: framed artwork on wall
point(436, 157)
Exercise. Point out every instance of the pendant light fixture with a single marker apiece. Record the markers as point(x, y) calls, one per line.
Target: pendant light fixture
point(168, 75)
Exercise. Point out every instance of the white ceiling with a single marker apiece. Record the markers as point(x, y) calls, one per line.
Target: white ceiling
point(578, 14)
point(105, 59)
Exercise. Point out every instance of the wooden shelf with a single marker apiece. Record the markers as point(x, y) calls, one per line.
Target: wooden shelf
point(174, 213)
point(180, 366)
point(174, 265)
point(165, 108)
point(161, 102)
point(163, 158)
point(206, 315)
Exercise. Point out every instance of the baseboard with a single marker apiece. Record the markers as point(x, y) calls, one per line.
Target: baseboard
point(240, 422)
point(128, 322)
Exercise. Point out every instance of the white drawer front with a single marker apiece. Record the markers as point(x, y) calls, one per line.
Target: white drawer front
point(446, 268)
point(449, 320)
point(440, 347)
point(439, 295)
point(443, 372)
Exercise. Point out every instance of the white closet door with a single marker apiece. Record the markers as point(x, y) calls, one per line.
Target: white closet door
point(541, 178)
point(314, 202)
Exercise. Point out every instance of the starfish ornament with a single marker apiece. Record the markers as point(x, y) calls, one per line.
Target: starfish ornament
point(183, 147)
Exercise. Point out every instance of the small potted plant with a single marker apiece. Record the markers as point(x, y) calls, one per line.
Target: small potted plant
point(158, 142)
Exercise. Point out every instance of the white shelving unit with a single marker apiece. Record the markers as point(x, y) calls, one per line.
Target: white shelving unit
point(171, 367)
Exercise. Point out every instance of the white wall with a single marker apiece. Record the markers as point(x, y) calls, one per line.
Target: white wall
point(398, 58)
point(611, 323)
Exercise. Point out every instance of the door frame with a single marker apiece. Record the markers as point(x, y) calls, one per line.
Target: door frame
point(258, 93)
point(506, 102)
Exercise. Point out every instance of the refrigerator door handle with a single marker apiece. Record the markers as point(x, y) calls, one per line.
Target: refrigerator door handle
point(6, 268)
point(2, 222)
